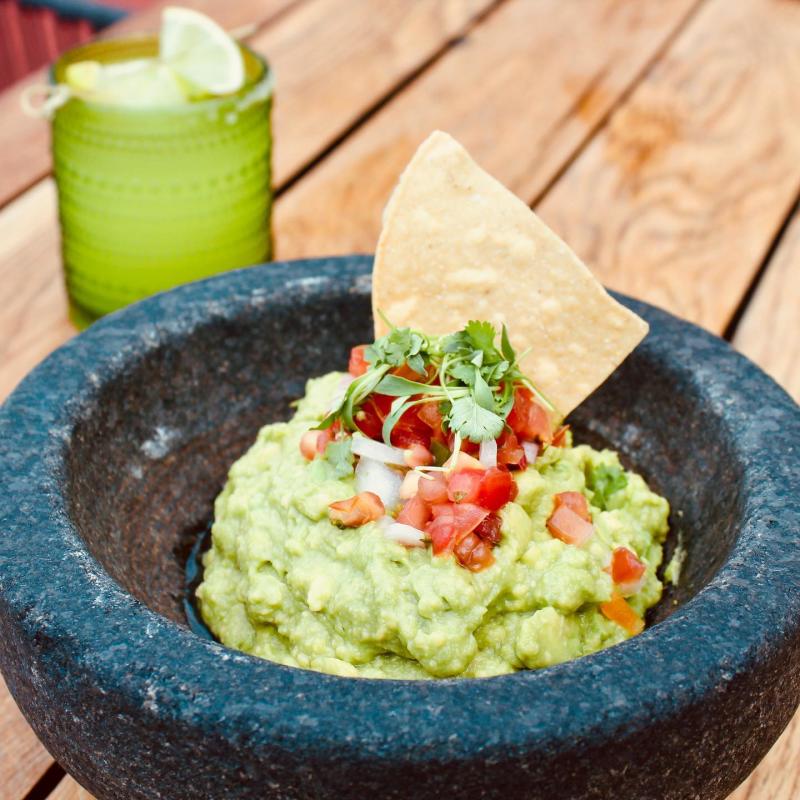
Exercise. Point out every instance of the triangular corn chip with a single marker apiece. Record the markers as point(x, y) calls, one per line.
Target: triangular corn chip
point(457, 245)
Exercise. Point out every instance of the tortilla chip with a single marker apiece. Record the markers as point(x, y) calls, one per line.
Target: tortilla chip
point(457, 245)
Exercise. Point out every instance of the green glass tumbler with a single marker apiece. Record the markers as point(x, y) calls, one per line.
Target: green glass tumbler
point(153, 197)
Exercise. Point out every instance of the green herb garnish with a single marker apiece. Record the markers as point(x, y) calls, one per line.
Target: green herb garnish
point(475, 388)
point(339, 455)
point(603, 481)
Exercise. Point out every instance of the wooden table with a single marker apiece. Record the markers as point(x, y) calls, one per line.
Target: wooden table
point(661, 138)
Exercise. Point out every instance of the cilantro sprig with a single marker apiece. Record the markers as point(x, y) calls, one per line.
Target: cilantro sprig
point(467, 374)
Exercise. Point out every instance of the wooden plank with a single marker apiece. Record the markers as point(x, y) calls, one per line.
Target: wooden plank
point(24, 142)
point(769, 331)
point(69, 789)
point(335, 60)
point(521, 92)
point(678, 199)
point(32, 320)
point(23, 760)
point(777, 777)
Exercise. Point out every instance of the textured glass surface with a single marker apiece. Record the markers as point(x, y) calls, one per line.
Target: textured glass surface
point(150, 198)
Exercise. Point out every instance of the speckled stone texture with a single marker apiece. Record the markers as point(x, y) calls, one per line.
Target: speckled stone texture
point(112, 451)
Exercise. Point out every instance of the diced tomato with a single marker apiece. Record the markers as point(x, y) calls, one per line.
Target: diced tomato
point(618, 610)
point(489, 529)
point(369, 418)
point(560, 436)
point(313, 443)
point(451, 522)
point(497, 488)
point(473, 553)
point(569, 527)
point(411, 430)
point(416, 513)
point(528, 419)
point(627, 571)
point(464, 486)
point(467, 447)
point(429, 414)
point(432, 488)
point(357, 510)
point(576, 501)
point(418, 456)
point(358, 365)
point(510, 452)
point(463, 461)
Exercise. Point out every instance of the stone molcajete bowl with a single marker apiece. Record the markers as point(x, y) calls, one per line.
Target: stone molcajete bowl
point(112, 451)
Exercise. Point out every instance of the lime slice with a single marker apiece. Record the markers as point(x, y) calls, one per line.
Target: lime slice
point(200, 52)
point(140, 83)
point(83, 75)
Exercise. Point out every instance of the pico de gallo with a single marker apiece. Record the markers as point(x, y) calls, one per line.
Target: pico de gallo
point(439, 426)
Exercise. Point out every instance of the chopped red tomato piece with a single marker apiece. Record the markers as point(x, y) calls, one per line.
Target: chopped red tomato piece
point(569, 527)
point(509, 452)
point(464, 486)
point(429, 414)
point(627, 571)
point(432, 488)
point(410, 431)
point(489, 529)
point(463, 461)
point(468, 448)
point(473, 553)
point(313, 443)
point(416, 513)
point(451, 522)
point(418, 456)
point(618, 610)
point(358, 365)
point(576, 501)
point(528, 419)
point(560, 436)
point(357, 510)
point(496, 489)
point(369, 418)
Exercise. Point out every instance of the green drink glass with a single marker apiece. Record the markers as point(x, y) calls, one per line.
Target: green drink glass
point(151, 197)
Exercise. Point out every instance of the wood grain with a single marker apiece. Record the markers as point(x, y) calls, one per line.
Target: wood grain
point(22, 759)
point(678, 199)
point(335, 60)
point(769, 331)
point(521, 92)
point(24, 142)
point(69, 789)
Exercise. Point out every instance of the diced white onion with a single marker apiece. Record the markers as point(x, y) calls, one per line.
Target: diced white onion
point(531, 450)
point(369, 448)
point(341, 389)
point(630, 588)
point(488, 453)
point(374, 476)
point(410, 484)
point(404, 534)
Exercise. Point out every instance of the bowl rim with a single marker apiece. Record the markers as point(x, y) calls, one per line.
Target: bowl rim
point(39, 541)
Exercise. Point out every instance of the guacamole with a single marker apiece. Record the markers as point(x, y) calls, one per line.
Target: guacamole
point(283, 582)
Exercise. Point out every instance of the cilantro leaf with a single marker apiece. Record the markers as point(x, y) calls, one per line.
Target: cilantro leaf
point(505, 346)
point(339, 455)
point(474, 422)
point(481, 335)
point(604, 481)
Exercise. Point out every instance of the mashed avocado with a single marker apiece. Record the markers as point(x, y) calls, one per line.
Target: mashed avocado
point(282, 582)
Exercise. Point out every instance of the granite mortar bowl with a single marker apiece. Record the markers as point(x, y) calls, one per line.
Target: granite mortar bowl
point(112, 451)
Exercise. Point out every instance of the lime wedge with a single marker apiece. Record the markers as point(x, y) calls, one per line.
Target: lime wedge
point(200, 52)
